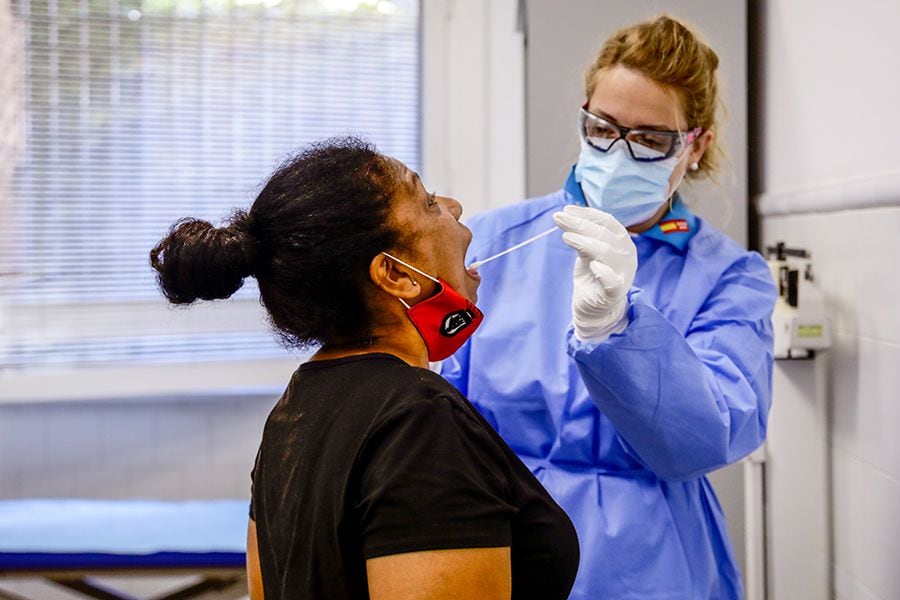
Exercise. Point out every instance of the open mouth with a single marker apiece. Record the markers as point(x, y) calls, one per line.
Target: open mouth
point(472, 272)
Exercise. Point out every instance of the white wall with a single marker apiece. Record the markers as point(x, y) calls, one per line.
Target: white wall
point(831, 90)
point(830, 180)
point(165, 449)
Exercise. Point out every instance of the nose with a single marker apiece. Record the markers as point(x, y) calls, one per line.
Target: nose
point(453, 206)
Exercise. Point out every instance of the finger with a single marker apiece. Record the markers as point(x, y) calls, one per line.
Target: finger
point(613, 254)
point(588, 247)
point(565, 221)
point(575, 224)
point(611, 281)
point(597, 216)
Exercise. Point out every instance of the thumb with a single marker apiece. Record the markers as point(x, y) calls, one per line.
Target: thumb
point(611, 281)
point(587, 247)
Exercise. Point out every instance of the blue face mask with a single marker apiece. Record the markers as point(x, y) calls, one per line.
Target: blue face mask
point(629, 190)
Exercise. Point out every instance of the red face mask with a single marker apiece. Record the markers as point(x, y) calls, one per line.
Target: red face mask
point(445, 321)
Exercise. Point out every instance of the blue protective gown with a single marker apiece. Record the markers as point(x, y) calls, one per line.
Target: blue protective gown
point(622, 432)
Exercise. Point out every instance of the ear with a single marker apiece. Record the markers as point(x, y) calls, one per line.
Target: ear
point(393, 278)
point(700, 145)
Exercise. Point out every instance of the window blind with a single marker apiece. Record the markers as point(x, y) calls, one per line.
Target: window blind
point(134, 113)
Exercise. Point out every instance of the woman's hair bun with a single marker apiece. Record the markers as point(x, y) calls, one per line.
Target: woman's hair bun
point(197, 260)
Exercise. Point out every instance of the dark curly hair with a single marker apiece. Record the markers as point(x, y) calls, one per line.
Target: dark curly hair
point(308, 239)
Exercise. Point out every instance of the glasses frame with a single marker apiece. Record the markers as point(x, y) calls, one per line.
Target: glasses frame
point(680, 139)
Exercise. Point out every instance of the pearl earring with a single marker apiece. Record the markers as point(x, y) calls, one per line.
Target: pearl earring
point(694, 166)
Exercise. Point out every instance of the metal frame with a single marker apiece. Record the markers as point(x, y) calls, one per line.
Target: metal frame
point(226, 583)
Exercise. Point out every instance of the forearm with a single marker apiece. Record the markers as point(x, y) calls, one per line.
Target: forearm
point(684, 410)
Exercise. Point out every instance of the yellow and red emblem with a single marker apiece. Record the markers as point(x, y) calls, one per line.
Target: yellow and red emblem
point(674, 226)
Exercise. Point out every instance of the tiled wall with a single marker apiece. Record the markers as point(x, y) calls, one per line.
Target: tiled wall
point(162, 449)
point(856, 256)
point(817, 63)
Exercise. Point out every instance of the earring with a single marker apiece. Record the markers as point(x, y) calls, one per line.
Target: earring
point(416, 283)
point(693, 166)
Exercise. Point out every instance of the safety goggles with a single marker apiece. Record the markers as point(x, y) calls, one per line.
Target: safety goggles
point(644, 145)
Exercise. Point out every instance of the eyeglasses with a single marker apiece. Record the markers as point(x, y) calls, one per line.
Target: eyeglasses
point(644, 145)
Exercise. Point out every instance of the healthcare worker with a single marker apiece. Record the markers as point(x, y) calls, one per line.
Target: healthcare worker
point(632, 355)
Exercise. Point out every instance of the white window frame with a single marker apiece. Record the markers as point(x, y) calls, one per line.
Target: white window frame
point(473, 85)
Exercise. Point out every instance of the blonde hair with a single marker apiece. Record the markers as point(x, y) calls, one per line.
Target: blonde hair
point(672, 55)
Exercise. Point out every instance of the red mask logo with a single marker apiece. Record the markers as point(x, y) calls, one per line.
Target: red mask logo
point(445, 321)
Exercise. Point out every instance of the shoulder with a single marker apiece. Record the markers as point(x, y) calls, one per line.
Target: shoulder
point(726, 263)
point(426, 394)
point(717, 250)
point(422, 396)
point(430, 416)
point(374, 384)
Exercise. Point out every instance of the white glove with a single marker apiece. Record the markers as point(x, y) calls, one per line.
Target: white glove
point(604, 271)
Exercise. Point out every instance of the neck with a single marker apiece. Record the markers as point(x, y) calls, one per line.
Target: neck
point(400, 342)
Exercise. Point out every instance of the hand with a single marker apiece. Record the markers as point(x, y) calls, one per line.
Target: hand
point(604, 271)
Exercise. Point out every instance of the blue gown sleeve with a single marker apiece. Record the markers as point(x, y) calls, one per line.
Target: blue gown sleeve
point(689, 404)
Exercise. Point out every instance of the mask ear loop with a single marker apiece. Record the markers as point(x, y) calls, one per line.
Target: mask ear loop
point(409, 266)
point(691, 137)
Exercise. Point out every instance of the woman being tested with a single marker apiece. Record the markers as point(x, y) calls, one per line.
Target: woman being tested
point(631, 356)
point(375, 478)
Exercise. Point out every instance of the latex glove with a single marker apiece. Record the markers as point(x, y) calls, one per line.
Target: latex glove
point(604, 270)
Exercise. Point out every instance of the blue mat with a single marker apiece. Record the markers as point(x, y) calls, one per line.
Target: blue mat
point(83, 534)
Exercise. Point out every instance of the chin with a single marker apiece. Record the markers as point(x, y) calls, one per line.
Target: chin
point(473, 285)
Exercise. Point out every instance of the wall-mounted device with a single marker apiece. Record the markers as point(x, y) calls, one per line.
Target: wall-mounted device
point(800, 321)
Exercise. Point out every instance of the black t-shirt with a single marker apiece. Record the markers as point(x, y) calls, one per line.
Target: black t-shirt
point(366, 456)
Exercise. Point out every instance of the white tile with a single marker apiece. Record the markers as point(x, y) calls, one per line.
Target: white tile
point(184, 435)
point(877, 271)
point(130, 436)
point(10, 484)
point(219, 483)
point(866, 525)
point(865, 382)
point(798, 513)
point(73, 437)
point(48, 483)
point(883, 575)
point(239, 486)
point(848, 510)
point(846, 587)
point(164, 483)
point(102, 481)
point(23, 432)
point(234, 436)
